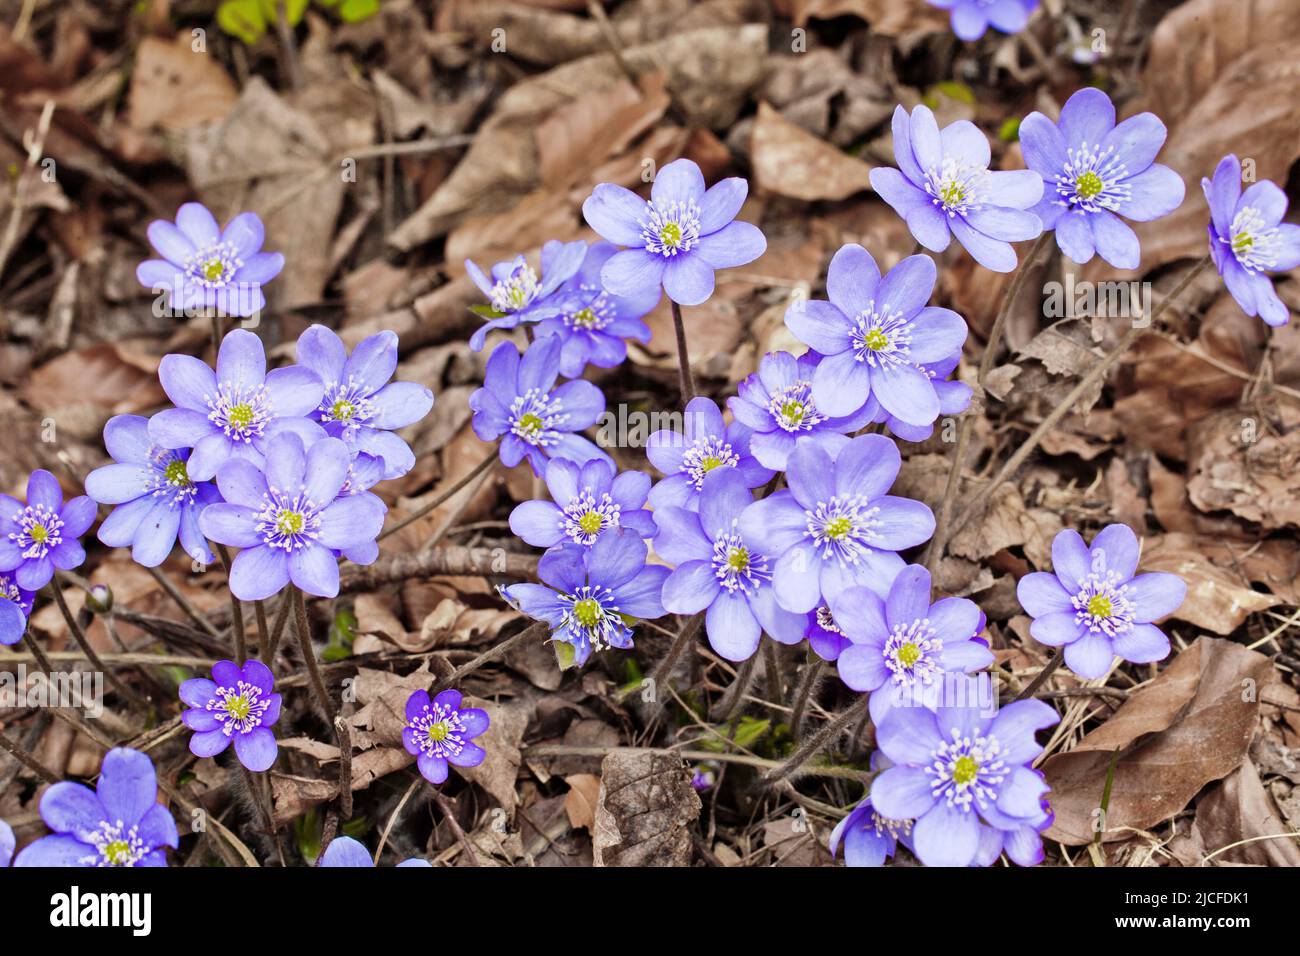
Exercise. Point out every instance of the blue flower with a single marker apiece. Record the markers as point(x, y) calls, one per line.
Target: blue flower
point(347, 852)
point(233, 413)
point(440, 731)
point(1095, 606)
point(7, 844)
point(954, 398)
point(587, 593)
point(877, 335)
point(155, 498)
point(1094, 172)
point(678, 238)
point(238, 705)
point(777, 403)
point(836, 525)
point(869, 839)
point(594, 324)
point(706, 442)
point(206, 268)
point(520, 404)
point(120, 823)
point(943, 188)
point(360, 405)
point(970, 18)
point(518, 296)
point(15, 609)
point(43, 534)
point(721, 570)
point(1248, 238)
point(589, 501)
point(1023, 845)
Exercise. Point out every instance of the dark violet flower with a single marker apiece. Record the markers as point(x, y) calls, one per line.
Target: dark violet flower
point(954, 398)
point(345, 851)
point(869, 839)
point(15, 609)
point(292, 518)
point(702, 780)
point(957, 767)
point(237, 705)
point(205, 267)
point(589, 500)
point(970, 18)
point(678, 238)
point(155, 497)
point(1094, 606)
point(119, 823)
point(1023, 845)
point(233, 413)
point(1248, 239)
point(1094, 172)
point(7, 844)
point(705, 443)
point(825, 637)
point(587, 594)
point(440, 731)
point(902, 645)
point(44, 534)
point(836, 526)
point(777, 403)
point(361, 406)
point(594, 324)
point(719, 568)
point(515, 293)
point(876, 334)
point(943, 188)
point(520, 404)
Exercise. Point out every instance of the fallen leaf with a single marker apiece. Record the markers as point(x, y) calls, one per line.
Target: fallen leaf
point(580, 802)
point(1216, 599)
point(645, 810)
point(175, 87)
point(791, 162)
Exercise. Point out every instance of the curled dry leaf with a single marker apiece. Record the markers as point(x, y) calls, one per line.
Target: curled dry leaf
point(580, 802)
point(1238, 811)
point(1191, 725)
point(645, 810)
point(1217, 599)
point(791, 162)
point(1238, 467)
point(175, 87)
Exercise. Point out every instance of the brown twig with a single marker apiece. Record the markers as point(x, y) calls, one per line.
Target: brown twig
point(444, 559)
point(78, 635)
point(447, 814)
point(182, 602)
point(424, 509)
point(16, 750)
point(536, 629)
point(813, 745)
point(236, 611)
point(1041, 678)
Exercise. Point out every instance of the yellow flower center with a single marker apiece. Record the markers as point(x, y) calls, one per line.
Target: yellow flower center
point(708, 463)
point(670, 234)
point(39, 534)
point(838, 528)
point(176, 474)
point(908, 654)
point(239, 707)
point(587, 611)
point(117, 853)
point(1242, 243)
point(793, 411)
point(214, 269)
point(875, 340)
point(738, 559)
point(952, 194)
point(289, 522)
point(591, 522)
point(240, 416)
point(584, 319)
point(439, 731)
point(1089, 185)
point(530, 424)
point(343, 410)
point(1099, 606)
point(964, 770)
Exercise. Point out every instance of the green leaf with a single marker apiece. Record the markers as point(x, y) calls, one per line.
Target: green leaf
point(1009, 131)
point(748, 731)
point(343, 630)
point(353, 11)
point(950, 89)
point(565, 656)
point(486, 311)
point(293, 11)
point(242, 19)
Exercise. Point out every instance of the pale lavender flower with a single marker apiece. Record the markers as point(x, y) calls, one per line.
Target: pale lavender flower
point(344, 851)
point(516, 294)
point(971, 18)
point(236, 706)
point(44, 534)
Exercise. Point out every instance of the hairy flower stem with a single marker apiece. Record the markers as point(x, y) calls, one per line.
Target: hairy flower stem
point(259, 612)
point(808, 681)
point(939, 541)
point(78, 635)
point(814, 744)
point(1048, 670)
point(665, 667)
point(309, 657)
point(424, 509)
point(182, 602)
point(345, 767)
point(683, 358)
point(1084, 385)
point(731, 702)
point(272, 644)
point(17, 751)
point(236, 611)
point(537, 629)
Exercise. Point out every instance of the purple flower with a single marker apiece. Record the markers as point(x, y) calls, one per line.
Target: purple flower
point(15, 609)
point(588, 501)
point(360, 404)
point(440, 731)
point(1095, 607)
point(517, 295)
point(954, 398)
point(902, 646)
point(292, 518)
point(592, 591)
point(703, 779)
point(233, 413)
point(970, 18)
point(155, 497)
point(205, 267)
point(777, 403)
point(706, 443)
point(876, 334)
point(120, 823)
point(869, 839)
point(957, 767)
point(42, 535)
point(825, 637)
point(677, 238)
point(721, 569)
point(7, 844)
point(1100, 171)
point(237, 704)
point(945, 189)
point(835, 526)
point(1023, 845)
point(1248, 238)
point(594, 324)
point(519, 401)
point(345, 851)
